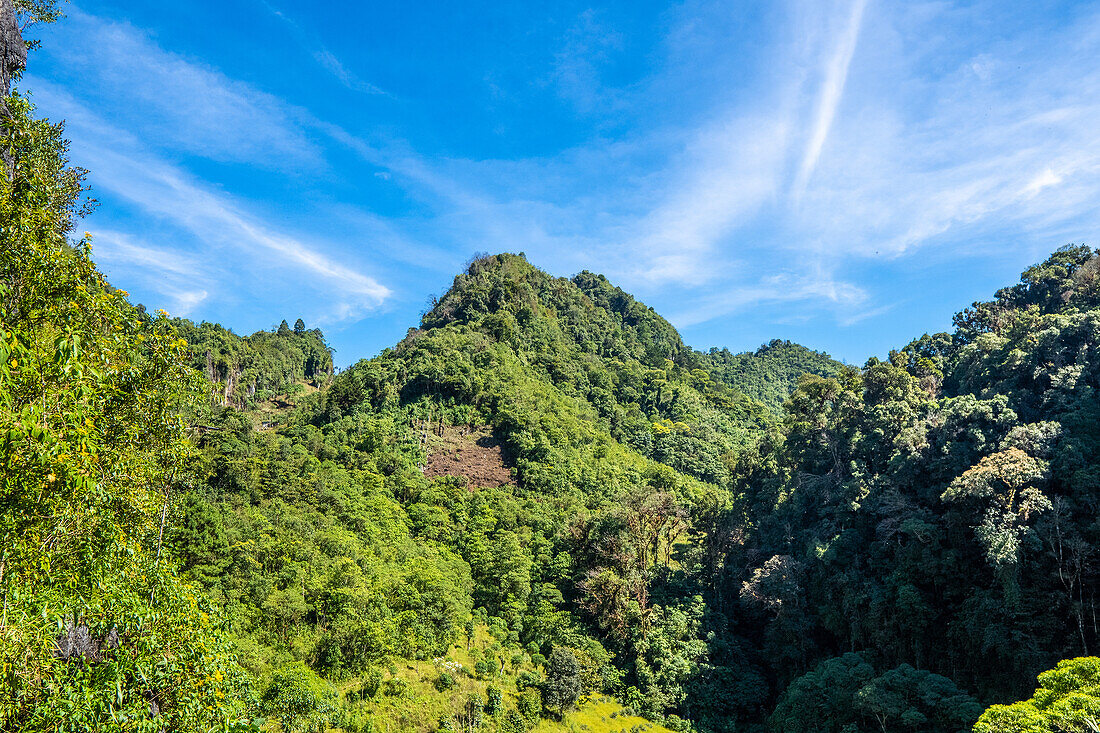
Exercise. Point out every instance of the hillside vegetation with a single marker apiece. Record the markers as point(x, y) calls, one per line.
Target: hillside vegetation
point(771, 373)
point(539, 511)
point(245, 372)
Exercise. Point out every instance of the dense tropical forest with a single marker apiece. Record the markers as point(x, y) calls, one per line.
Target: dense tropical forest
point(540, 510)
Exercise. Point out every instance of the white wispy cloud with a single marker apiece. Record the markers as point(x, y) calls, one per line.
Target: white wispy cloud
point(731, 171)
point(858, 133)
point(178, 102)
point(782, 288)
point(832, 88)
point(187, 300)
point(180, 279)
point(323, 56)
point(348, 78)
point(123, 166)
point(576, 72)
point(914, 158)
point(119, 248)
point(932, 159)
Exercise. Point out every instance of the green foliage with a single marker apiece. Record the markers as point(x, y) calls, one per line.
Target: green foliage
point(37, 11)
point(494, 701)
point(1068, 699)
point(529, 705)
point(684, 547)
point(97, 631)
point(513, 722)
point(823, 699)
point(934, 509)
point(770, 373)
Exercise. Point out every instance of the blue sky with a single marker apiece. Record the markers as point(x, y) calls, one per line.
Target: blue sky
point(845, 174)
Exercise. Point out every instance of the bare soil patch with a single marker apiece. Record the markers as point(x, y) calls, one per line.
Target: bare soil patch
point(470, 453)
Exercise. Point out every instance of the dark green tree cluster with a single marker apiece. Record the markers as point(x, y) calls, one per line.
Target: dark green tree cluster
point(938, 509)
point(844, 695)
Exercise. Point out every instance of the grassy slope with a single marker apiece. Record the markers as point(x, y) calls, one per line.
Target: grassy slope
point(421, 705)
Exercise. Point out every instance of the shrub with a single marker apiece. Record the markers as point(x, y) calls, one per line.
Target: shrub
point(395, 687)
point(372, 683)
point(529, 705)
point(298, 699)
point(493, 700)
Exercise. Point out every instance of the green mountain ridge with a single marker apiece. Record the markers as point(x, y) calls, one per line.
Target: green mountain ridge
point(771, 373)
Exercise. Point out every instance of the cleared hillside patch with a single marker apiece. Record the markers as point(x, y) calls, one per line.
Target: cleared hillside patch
point(474, 454)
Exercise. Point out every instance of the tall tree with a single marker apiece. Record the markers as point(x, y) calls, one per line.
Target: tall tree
point(563, 680)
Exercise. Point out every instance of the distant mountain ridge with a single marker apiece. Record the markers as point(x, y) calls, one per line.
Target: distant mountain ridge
point(246, 370)
point(771, 373)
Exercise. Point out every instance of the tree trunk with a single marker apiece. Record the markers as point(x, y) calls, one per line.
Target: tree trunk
point(13, 59)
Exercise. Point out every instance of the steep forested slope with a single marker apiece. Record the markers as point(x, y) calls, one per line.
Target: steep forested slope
point(596, 343)
point(939, 509)
point(244, 371)
point(770, 373)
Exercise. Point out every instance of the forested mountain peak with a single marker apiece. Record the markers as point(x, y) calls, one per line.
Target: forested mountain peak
point(511, 299)
point(771, 373)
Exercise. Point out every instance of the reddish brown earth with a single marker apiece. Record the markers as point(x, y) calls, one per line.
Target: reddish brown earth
point(470, 453)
